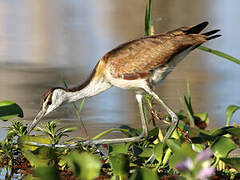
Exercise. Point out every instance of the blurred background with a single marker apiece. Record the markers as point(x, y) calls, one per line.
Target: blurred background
point(43, 41)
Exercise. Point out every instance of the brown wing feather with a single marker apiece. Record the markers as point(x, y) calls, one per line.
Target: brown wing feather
point(137, 58)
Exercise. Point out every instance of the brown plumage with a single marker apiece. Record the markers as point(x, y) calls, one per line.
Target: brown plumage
point(140, 57)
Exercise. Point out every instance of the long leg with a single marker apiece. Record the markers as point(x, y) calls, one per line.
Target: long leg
point(170, 112)
point(141, 137)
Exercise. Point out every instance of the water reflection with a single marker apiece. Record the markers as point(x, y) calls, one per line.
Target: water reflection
point(44, 40)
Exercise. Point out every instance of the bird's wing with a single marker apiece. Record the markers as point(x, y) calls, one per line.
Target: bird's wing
point(137, 58)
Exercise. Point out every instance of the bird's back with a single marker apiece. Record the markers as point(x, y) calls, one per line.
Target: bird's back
point(141, 57)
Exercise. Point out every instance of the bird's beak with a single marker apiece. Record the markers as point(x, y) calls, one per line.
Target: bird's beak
point(36, 121)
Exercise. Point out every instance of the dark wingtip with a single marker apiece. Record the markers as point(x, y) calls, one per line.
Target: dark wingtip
point(209, 33)
point(213, 37)
point(197, 29)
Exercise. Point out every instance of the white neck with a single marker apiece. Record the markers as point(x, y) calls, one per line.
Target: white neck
point(94, 87)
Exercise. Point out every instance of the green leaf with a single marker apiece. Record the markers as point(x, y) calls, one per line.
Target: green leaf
point(181, 115)
point(98, 136)
point(230, 111)
point(198, 147)
point(84, 165)
point(188, 103)
point(119, 148)
point(41, 156)
point(222, 147)
point(137, 150)
point(129, 131)
point(173, 144)
point(167, 155)
point(219, 131)
point(144, 174)
point(148, 18)
point(9, 110)
point(234, 131)
point(120, 164)
point(23, 142)
point(233, 162)
point(177, 134)
point(158, 151)
point(153, 134)
point(146, 152)
point(219, 53)
point(184, 152)
point(46, 172)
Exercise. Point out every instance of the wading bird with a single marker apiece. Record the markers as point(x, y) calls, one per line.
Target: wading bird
point(138, 65)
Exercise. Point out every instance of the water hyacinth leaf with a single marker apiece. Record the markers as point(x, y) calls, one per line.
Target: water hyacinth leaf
point(177, 134)
point(173, 144)
point(234, 131)
point(120, 164)
point(46, 172)
point(144, 174)
point(41, 156)
point(193, 132)
point(118, 148)
point(184, 152)
point(166, 157)
point(158, 151)
point(146, 152)
point(33, 160)
point(9, 110)
point(222, 147)
point(158, 138)
point(202, 137)
point(232, 161)
point(25, 142)
point(84, 165)
point(198, 147)
point(220, 131)
point(230, 111)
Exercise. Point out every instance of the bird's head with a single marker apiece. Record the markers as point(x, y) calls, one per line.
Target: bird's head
point(50, 101)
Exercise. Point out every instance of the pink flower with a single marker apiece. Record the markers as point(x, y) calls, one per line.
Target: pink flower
point(204, 155)
point(205, 173)
point(187, 164)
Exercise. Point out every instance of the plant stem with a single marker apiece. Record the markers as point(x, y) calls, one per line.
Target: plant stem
point(108, 131)
point(219, 53)
point(77, 111)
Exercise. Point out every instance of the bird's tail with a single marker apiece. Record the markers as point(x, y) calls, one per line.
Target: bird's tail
point(198, 28)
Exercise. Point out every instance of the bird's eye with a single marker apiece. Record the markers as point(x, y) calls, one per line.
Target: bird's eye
point(49, 103)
